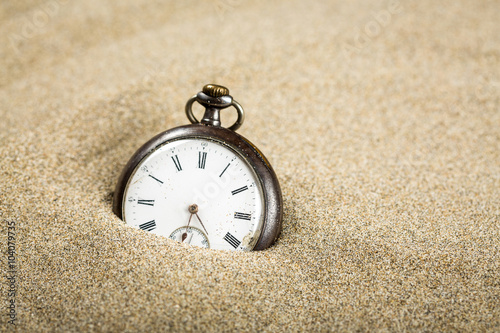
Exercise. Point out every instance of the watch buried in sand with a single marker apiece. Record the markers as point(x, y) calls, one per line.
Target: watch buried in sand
point(203, 184)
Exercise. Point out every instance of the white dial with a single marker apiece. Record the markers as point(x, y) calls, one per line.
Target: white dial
point(197, 191)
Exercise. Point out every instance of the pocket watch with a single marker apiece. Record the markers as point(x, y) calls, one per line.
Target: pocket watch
point(203, 184)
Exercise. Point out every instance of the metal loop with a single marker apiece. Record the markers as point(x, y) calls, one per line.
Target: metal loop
point(189, 110)
point(241, 116)
point(239, 109)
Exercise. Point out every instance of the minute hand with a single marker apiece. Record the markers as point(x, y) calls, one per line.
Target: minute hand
point(201, 223)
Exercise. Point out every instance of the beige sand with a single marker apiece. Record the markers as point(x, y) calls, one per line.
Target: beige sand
point(382, 122)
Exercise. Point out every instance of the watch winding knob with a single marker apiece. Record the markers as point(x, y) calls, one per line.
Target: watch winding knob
point(214, 90)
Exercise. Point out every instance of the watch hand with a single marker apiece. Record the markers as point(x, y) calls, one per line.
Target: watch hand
point(201, 223)
point(193, 209)
point(184, 235)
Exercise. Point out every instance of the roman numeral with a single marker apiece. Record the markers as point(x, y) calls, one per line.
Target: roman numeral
point(242, 216)
point(241, 189)
point(202, 159)
point(148, 226)
point(232, 240)
point(146, 202)
point(159, 181)
point(227, 166)
point(176, 162)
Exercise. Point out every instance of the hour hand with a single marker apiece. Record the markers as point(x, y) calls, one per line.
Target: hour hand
point(202, 224)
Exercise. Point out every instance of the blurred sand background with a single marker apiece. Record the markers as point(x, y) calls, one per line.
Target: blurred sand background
point(382, 122)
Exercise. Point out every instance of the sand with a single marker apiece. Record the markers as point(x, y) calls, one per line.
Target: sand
point(381, 121)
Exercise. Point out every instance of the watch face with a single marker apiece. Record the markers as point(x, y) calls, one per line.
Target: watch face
point(198, 191)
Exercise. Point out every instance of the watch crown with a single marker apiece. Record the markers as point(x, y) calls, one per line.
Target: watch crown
point(214, 90)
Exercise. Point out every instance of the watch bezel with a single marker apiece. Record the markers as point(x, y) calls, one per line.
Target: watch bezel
point(273, 202)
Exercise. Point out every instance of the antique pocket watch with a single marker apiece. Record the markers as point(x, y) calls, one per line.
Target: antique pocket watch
point(203, 184)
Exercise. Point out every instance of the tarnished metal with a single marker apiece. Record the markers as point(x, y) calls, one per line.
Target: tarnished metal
point(213, 102)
